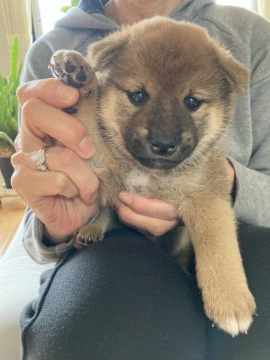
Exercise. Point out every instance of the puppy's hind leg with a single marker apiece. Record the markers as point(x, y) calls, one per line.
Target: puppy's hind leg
point(73, 69)
point(94, 230)
point(177, 244)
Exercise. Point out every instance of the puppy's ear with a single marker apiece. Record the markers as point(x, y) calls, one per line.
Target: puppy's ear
point(236, 73)
point(104, 53)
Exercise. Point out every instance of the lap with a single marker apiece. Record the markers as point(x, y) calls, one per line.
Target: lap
point(255, 250)
point(125, 298)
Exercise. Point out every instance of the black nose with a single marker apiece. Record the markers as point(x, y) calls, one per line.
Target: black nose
point(163, 145)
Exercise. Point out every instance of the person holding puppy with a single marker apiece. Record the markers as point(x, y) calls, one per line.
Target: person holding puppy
point(124, 297)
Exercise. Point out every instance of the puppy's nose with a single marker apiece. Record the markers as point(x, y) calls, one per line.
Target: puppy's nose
point(163, 145)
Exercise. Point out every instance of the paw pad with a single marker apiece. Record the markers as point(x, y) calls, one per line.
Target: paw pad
point(72, 69)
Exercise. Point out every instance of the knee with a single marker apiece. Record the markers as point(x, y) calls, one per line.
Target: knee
point(125, 292)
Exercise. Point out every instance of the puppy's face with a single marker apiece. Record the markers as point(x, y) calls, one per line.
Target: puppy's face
point(166, 91)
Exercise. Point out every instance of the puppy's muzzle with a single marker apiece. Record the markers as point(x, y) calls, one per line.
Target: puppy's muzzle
point(161, 150)
point(170, 145)
point(163, 145)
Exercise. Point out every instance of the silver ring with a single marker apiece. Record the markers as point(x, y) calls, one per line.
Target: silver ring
point(41, 160)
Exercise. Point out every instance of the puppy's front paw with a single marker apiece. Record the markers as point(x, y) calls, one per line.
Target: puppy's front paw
point(231, 311)
point(73, 69)
point(86, 235)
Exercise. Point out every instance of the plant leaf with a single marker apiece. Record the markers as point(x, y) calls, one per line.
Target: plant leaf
point(14, 59)
point(8, 99)
point(5, 140)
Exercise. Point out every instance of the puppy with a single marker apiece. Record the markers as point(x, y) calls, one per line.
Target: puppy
point(156, 98)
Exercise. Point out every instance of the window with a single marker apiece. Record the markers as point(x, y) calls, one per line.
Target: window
point(242, 3)
point(50, 12)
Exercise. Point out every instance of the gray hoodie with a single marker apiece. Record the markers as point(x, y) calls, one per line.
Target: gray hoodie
point(247, 144)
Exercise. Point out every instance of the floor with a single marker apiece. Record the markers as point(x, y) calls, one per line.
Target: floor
point(11, 213)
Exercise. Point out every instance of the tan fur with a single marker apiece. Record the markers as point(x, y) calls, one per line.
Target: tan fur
point(170, 60)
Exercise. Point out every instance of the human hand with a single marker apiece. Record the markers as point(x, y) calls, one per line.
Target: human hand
point(152, 215)
point(65, 197)
point(230, 173)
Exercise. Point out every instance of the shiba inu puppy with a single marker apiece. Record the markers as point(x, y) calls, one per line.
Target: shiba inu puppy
point(156, 98)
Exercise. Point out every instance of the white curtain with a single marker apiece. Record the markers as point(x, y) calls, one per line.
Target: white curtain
point(262, 7)
point(15, 19)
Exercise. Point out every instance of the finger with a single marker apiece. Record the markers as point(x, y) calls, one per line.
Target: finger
point(230, 173)
point(17, 141)
point(32, 184)
point(155, 208)
point(154, 226)
point(40, 120)
point(59, 159)
point(79, 172)
point(52, 91)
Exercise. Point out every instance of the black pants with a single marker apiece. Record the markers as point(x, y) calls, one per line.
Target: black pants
point(126, 299)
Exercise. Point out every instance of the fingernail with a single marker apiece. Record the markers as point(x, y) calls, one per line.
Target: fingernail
point(87, 146)
point(66, 93)
point(125, 198)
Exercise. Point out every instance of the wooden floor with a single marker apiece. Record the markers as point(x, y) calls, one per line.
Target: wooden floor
point(11, 212)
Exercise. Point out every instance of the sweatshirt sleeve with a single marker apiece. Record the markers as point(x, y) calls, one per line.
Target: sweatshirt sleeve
point(252, 202)
point(34, 244)
point(252, 197)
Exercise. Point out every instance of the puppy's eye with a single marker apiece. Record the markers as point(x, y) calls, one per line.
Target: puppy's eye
point(192, 103)
point(137, 97)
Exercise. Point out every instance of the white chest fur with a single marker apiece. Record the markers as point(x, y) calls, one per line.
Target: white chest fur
point(137, 181)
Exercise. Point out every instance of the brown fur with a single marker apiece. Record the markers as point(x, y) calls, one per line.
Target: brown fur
point(169, 61)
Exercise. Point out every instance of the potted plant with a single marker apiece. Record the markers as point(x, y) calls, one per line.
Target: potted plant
point(9, 112)
point(73, 3)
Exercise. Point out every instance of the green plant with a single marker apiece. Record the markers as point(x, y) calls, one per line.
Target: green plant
point(73, 3)
point(8, 100)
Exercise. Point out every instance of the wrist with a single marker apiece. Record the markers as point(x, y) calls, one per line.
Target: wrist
point(52, 237)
